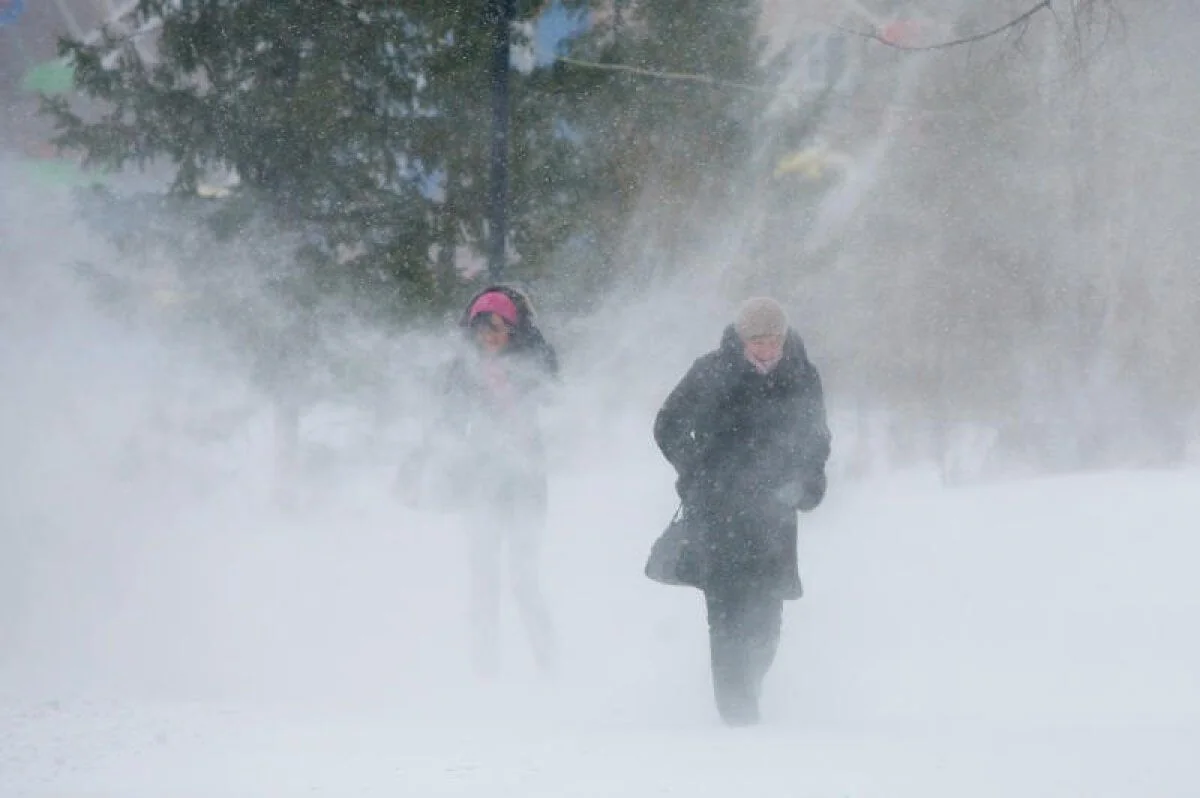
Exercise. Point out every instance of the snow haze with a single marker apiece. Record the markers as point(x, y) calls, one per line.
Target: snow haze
point(999, 589)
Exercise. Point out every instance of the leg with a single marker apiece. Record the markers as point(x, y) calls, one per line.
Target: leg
point(524, 550)
point(485, 544)
point(735, 701)
point(744, 630)
point(762, 624)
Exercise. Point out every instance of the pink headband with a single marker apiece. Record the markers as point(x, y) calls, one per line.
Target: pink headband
point(495, 302)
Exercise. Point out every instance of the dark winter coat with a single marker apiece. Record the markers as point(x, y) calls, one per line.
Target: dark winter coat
point(490, 413)
point(750, 451)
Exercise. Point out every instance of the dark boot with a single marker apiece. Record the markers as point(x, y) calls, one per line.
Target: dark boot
point(764, 622)
point(738, 706)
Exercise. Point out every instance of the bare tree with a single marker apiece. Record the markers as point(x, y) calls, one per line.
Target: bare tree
point(1082, 16)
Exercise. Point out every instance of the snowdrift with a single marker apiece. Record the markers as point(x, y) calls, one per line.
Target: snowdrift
point(1032, 638)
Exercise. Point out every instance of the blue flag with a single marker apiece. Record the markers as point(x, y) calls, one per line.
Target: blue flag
point(11, 11)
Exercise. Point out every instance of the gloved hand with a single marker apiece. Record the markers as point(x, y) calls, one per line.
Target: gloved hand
point(803, 494)
point(790, 493)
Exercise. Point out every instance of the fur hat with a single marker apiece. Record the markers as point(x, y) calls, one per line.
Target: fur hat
point(760, 316)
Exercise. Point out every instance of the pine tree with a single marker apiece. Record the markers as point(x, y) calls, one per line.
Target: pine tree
point(358, 134)
point(363, 125)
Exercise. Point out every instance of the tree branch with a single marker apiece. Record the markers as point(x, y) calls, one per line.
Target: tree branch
point(665, 75)
point(1043, 5)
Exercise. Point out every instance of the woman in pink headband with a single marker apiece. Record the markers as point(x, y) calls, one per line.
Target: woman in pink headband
point(491, 401)
point(491, 319)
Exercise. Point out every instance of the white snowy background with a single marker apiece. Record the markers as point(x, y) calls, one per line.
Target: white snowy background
point(178, 618)
point(177, 627)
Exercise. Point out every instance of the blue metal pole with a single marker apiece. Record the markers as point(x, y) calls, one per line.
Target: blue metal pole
point(503, 14)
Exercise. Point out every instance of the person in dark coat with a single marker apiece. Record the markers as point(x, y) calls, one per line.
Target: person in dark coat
point(746, 432)
point(490, 437)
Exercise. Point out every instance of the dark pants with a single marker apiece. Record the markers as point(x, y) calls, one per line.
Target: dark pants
point(744, 623)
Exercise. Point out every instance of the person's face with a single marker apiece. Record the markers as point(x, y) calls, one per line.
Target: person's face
point(492, 333)
point(765, 348)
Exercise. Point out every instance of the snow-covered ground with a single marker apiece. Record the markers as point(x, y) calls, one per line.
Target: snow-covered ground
point(1027, 639)
point(165, 630)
